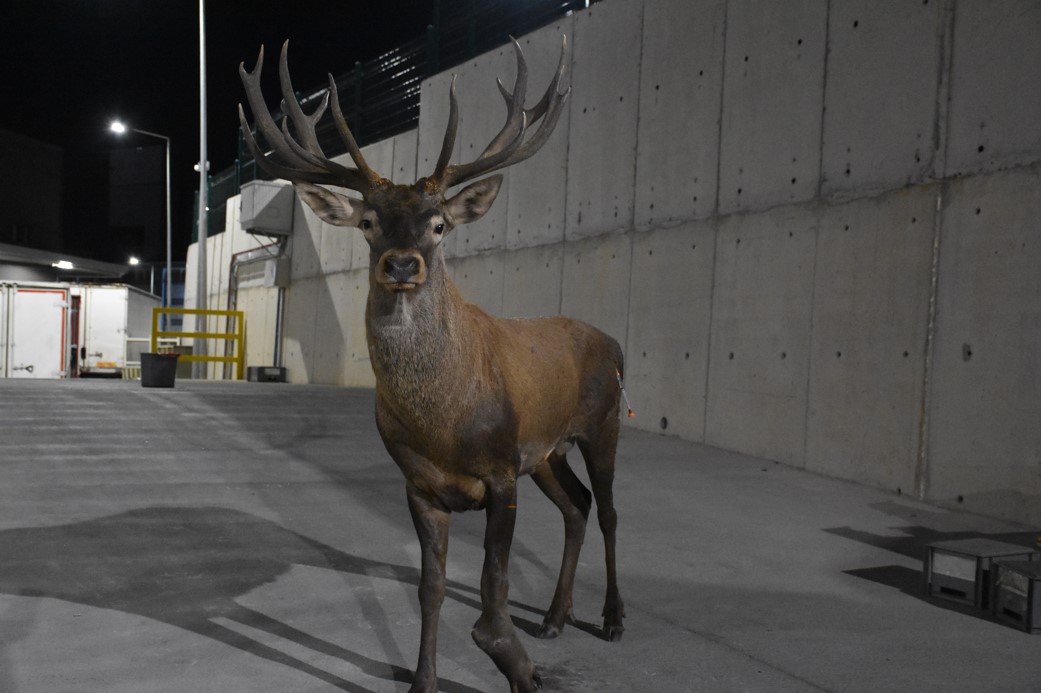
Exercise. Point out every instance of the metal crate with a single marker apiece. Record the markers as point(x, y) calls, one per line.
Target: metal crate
point(1015, 594)
point(959, 570)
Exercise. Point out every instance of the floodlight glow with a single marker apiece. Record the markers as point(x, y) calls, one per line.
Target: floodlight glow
point(118, 127)
point(134, 261)
point(62, 264)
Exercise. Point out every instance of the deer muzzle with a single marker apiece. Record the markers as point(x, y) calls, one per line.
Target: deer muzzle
point(401, 270)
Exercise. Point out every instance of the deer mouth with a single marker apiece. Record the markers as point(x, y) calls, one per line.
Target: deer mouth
point(398, 287)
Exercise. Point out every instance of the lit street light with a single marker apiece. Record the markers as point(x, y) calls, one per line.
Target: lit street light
point(121, 128)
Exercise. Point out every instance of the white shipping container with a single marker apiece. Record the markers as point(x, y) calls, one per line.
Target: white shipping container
point(114, 324)
point(4, 290)
point(34, 321)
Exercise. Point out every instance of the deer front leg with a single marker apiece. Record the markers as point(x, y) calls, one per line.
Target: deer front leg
point(432, 528)
point(494, 632)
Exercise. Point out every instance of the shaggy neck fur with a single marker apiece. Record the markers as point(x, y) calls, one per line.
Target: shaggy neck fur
point(412, 339)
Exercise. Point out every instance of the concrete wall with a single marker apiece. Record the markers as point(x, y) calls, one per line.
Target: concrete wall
point(812, 225)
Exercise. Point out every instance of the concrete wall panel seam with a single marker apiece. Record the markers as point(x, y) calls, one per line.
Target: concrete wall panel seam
point(943, 98)
point(824, 101)
point(624, 339)
point(941, 132)
point(813, 314)
point(567, 174)
point(921, 474)
point(715, 224)
point(719, 120)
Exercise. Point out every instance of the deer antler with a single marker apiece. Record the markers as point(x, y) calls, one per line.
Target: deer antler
point(509, 146)
point(300, 161)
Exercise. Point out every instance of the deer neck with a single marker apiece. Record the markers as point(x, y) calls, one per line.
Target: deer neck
point(415, 337)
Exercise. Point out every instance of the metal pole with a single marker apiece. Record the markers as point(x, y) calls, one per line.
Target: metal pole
point(169, 244)
point(200, 367)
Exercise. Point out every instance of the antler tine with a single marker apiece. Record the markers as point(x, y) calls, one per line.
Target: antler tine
point(265, 125)
point(348, 138)
point(303, 124)
point(509, 146)
point(278, 170)
point(514, 126)
point(302, 163)
point(450, 132)
point(540, 109)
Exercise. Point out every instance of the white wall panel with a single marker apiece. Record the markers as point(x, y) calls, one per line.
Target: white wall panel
point(604, 101)
point(871, 308)
point(773, 96)
point(995, 101)
point(480, 279)
point(532, 282)
point(670, 310)
point(357, 367)
point(404, 167)
point(537, 188)
point(880, 126)
point(680, 90)
point(299, 329)
point(759, 359)
point(191, 275)
point(985, 441)
point(306, 243)
point(482, 113)
point(331, 328)
point(596, 282)
point(259, 307)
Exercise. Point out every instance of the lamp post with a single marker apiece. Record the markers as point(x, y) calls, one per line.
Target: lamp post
point(120, 128)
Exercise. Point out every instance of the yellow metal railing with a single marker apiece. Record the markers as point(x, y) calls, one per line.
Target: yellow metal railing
point(238, 337)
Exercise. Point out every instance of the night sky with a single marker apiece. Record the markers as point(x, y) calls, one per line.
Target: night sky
point(71, 66)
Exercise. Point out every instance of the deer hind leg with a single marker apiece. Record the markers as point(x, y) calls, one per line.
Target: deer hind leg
point(493, 632)
point(599, 454)
point(560, 484)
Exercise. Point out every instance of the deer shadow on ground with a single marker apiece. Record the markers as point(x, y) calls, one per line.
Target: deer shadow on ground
point(186, 567)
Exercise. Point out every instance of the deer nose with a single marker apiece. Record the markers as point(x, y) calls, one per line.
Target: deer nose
point(401, 268)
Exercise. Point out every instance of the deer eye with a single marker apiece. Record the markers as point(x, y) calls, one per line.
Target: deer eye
point(439, 229)
point(365, 224)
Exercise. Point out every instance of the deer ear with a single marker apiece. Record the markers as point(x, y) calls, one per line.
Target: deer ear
point(472, 202)
point(333, 208)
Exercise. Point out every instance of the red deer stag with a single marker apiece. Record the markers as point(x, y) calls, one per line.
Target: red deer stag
point(465, 402)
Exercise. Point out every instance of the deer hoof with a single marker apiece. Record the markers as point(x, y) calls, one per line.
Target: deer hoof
point(613, 633)
point(423, 688)
point(530, 686)
point(548, 631)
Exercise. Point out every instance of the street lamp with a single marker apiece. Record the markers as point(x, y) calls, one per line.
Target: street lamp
point(121, 128)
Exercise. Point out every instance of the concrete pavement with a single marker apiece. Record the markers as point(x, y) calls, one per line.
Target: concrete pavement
point(251, 537)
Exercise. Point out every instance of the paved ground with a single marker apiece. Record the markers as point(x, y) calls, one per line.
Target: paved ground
point(254, 538)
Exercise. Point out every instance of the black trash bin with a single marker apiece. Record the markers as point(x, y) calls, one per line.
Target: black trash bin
point(158, 370)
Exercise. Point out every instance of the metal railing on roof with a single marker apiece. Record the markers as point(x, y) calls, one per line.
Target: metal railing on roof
point(380, 97)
